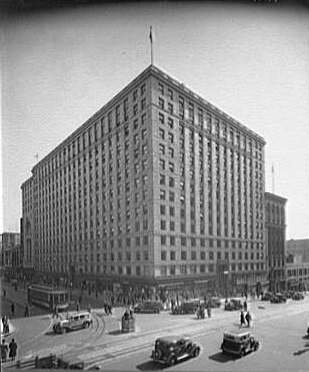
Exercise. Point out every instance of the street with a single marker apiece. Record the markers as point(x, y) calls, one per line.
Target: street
point(279, 327)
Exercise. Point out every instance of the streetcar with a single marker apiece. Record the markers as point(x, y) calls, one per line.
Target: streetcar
point(48, 297)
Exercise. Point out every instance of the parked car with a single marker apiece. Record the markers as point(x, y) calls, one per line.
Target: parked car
point(187, 307)
point(239, 342)
point(308, 328)
point(72, 321)
point(215, 302)
point(148, 307)
point(267, 296)
point(171, 349)
point(278, 298)
point(233, 304)
point(298, 296)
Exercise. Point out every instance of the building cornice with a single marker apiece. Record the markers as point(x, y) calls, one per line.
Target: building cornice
point(154, 71)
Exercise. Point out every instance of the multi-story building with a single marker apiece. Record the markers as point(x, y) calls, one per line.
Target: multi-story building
point(158, 185)
point(297, 264)
point(10, 242)
point(275, 239)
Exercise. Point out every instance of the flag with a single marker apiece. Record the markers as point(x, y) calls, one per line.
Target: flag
point(151, 35)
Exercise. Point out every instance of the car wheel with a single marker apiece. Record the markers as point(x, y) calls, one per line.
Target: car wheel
point(243, 352)
point(157, 354)
point(256, 346)
point(196, 352)
point(63, 330)
point(172, 361)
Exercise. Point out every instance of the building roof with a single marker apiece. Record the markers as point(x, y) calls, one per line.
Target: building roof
point(274, 197)
point(151, 70)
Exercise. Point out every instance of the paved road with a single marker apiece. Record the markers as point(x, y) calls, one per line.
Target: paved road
point(281, 332)
point(103, 344)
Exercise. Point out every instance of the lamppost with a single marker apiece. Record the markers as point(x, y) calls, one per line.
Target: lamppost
point(226, 273)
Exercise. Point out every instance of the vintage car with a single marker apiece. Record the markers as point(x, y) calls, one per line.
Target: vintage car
point(169, 350)
point(298, 296)
point(278, 298)
point(267, 296)
point(233, 304)
point(72, 321)
point(215, 302)
point(148, 307)
point(239, 342)
point(187, 307)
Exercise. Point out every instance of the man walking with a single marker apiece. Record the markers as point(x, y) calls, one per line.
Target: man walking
point(248, 319)
point(242, 319)
point(4, 351)
point(13, 349)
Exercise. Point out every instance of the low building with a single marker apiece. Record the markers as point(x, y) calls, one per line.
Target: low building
point(297, 273)
point(298, 247)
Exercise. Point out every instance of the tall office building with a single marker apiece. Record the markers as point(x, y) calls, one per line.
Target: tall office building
point(159, 186)
point(275, 240)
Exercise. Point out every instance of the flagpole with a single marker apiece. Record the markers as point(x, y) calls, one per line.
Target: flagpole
point(151, 45)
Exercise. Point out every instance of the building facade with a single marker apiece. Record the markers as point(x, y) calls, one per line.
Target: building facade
point(10, 242)
point(297, 266)
point(275, 239)
point(159, 185)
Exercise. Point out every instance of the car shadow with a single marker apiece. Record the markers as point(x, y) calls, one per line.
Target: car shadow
point(116, 332)
point(223, 358)
point(150, 366)
point(50, 333)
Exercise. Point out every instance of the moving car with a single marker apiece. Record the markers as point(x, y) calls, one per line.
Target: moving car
point(278, 298)
point(233, 304)
point(267, 296)
point(72, 321)
point(239, 342)
point(169, 350)
point(148, 307)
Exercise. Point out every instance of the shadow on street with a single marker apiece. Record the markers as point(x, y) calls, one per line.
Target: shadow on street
point(222, 357)
point(150, 366)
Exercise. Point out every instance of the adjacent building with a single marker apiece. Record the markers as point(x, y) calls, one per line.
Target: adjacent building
point(297, 264)
point(275, 224)
point(159, 186)
point(10, 252)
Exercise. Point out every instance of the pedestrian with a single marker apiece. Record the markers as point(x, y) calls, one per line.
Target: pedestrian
point(248, 319)
point(13, 308)
point(4, 351)
point(13, 349)
point(4, 293)
point(245, 306)
point(242, 319)
point(27, 311)
point(77, 306)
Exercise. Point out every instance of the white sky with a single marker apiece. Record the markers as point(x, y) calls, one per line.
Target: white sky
point(59, 67)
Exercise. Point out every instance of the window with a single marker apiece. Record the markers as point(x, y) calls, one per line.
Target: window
point(171, 182)
point(161, 88)
point(161, 118)
point(193, 255)
point(162, 210)
point(170, 108)
point(171, 152)
point(161, 149)
point(163, 255)
point(161, 133)
point(161, 103)
point(170, 123)
point(163, 240)
point(183, 255)
point(143, 89)
point(162, 194)
point(162, 179)
point(172, 240)
point(170, 94)
point(172, 255)
point(163, 225)
point(203, 255)
point(162, 164)
point(171, 137)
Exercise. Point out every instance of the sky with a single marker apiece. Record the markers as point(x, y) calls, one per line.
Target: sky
point(251, 60)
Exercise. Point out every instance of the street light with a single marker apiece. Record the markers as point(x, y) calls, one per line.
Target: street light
point(226, 273)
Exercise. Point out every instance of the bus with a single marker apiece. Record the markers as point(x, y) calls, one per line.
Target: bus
point(48, 297)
